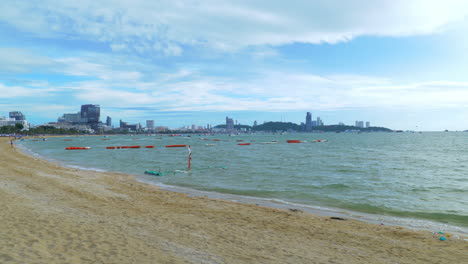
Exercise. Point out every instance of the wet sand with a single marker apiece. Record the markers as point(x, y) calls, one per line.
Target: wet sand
point(52, 214)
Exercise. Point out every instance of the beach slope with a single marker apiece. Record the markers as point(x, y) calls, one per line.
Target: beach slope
point(52, 214)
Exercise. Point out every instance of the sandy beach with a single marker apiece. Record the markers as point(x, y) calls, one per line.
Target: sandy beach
point(53, 214)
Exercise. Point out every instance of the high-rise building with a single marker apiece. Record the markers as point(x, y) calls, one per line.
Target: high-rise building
point(150, 124)
point(229, 124)
point(17, 115)
point(367, 124)
point(91, 113)
point(109, 121)
point(319, 122)
point(359, 124)
point(123, 124)
point(308, 123)
point(255, 123)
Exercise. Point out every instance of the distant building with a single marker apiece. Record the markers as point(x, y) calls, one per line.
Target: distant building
point(122, 124)
point(319, 122)
point(359, 124)
point(109, 121)
point(229, 124)
point(133, 127)
point(150, 124)
point(341, 124)
point(367, 124)
point(308, 123)
point(255, 123)
point(17, 115)
point(90, 114)
point(162, 129)
point(130, 127)
point(194, 127)
point(71, 118)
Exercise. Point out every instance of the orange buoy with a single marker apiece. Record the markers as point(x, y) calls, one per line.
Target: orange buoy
point(110, 147)
point(132, 147)
point(149, 146)
point(75, 148)
point(294, 141)
point(243, 144)
point(176, 146)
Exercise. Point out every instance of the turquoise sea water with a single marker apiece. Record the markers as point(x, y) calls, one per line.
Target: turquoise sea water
point(417, 176)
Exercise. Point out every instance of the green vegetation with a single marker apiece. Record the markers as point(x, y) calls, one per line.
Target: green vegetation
point(288, 126)
point(40, 130)
point(337, 128)
point(9, 130)
point(277, 127)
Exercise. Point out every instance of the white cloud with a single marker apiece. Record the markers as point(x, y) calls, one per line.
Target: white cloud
point(15, 60)
point(120, 82)
point(164, 26)
point(10, 92)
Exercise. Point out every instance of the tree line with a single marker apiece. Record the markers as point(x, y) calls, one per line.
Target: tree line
point(40, 130)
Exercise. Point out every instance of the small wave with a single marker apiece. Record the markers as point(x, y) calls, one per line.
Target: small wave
point(84, 168)
point(336, 186)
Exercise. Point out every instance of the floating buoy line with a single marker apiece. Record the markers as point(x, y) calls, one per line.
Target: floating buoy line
point(77, 148)
point(189, 159)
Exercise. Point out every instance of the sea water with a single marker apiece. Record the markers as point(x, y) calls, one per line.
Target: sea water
point(414, 179)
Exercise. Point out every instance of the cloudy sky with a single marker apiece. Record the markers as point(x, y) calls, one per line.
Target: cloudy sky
point(401, 64)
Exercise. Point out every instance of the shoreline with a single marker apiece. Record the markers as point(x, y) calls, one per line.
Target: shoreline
point(60, 214)
point(406, 222)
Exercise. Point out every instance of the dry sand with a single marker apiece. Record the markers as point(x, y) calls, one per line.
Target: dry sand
point(52, 214)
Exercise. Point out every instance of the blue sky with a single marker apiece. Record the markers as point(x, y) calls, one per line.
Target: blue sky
point(398, 64)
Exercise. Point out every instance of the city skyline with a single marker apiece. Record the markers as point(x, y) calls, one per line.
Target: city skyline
point(393, 63)
point(89, 115)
